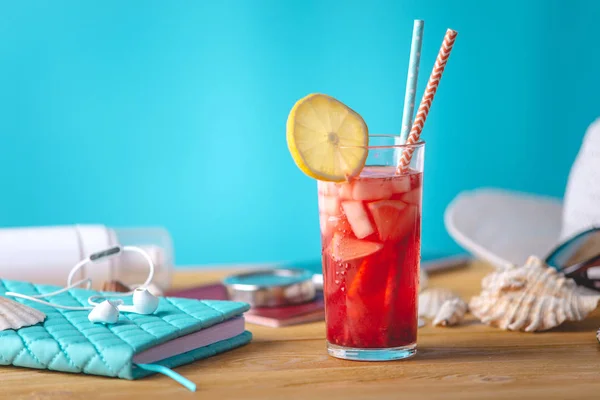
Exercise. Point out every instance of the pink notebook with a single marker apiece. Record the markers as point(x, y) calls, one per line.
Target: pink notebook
point(265, 316)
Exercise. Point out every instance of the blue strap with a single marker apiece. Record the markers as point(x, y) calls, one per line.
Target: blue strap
point(161, 369)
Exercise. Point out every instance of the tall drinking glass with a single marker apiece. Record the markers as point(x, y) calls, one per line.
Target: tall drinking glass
point(371, 244)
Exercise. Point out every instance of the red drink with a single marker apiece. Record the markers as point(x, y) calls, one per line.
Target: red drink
point(370, 226)
point(371, 236)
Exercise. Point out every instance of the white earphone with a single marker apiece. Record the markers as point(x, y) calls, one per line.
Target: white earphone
point(106, 311)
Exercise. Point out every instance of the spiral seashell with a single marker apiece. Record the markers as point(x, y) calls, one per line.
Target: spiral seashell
point(431, 300)
point(423, 280)
point(532, 297)
point(451, 313)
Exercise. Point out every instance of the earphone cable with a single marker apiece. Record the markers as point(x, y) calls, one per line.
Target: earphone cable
point(36, 300)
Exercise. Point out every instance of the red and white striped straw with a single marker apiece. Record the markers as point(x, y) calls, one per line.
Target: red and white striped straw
point(432, 85)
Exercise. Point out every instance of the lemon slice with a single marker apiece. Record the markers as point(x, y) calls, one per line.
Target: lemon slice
point(326, 138)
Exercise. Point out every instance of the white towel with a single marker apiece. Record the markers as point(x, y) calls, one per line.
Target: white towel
point(581, 207)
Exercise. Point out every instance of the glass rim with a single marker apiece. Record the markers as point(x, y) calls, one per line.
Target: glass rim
point(414, 146)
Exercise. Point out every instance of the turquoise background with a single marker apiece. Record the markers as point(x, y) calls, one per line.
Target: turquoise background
point(173, 113)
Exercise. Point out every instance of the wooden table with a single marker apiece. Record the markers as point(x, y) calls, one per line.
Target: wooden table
point(467, 362)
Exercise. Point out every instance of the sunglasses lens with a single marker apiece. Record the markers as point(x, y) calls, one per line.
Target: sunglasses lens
point(585, 246)
point(593, 273)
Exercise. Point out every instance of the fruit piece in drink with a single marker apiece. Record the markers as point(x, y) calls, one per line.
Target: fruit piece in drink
point(344, 249)
point(393, 218)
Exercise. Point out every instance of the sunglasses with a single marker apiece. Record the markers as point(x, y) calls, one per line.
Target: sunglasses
point(579, 258)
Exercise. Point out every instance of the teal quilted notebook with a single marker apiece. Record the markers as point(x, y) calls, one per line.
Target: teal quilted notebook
point(67, 341)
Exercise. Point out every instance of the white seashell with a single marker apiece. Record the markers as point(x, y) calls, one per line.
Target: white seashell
point(531, 298)
point(451, 313)
point(15, 315)
point(423, 280)
point(431, 300)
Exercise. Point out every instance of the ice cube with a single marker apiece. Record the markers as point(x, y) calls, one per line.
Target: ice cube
point(412, 197)
point(323, 223)
point(331, 205)
point(416, 180)
point(345, 190)
point(401, 184)
point(372, 189)
point(327, 188)
point(339, 224)
point(358, 218)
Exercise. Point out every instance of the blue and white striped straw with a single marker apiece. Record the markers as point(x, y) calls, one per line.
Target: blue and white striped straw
point(411, 80)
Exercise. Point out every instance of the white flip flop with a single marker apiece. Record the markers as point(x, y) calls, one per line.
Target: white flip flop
point(504, 227)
